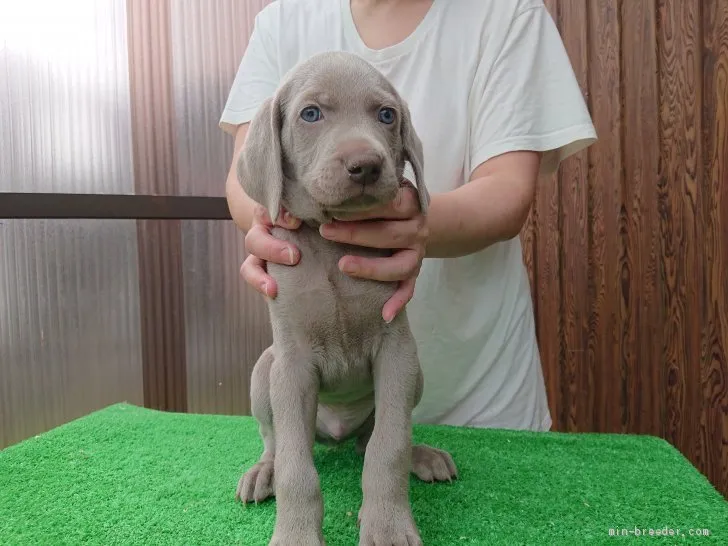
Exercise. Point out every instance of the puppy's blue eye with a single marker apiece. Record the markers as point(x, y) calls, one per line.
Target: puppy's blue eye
point(311, 114)
point(386, 115)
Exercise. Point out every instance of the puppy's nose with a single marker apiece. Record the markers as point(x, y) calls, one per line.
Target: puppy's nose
point(364, 170)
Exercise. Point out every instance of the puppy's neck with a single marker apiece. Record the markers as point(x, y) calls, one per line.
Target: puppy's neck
point(308, 212)
point(313, 223)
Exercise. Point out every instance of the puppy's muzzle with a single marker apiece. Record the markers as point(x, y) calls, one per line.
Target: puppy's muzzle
point(363, 163)
point(364, 170)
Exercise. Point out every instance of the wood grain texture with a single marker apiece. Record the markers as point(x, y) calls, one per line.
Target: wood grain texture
point(546, 274)
point(573, 24)
point(639, 281)
point(528, 244)
point(643, 316)
point(606, 374)
point(679, 177)
point(712, 453)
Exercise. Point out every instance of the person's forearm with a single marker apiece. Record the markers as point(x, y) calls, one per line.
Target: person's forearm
point(241, 206)
point(478, 214)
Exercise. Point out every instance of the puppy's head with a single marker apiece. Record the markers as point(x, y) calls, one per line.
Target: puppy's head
point(333, 140)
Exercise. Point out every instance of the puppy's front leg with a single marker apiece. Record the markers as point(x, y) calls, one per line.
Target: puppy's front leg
point(385, 515)
point(299, 503)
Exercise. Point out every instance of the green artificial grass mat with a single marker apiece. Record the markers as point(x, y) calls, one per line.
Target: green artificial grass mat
point(128, 475)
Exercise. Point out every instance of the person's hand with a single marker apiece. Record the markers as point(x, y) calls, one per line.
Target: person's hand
point(399, 226)
point(263, 247)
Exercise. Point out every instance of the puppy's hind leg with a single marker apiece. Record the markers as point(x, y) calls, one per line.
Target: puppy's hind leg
point(257, 484)
point(430, 464)
point(364, 434)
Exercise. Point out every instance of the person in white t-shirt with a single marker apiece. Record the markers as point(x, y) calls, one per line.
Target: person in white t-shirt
point(495, 102)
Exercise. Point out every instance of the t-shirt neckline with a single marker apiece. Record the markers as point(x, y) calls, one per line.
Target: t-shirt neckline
point(394, 50)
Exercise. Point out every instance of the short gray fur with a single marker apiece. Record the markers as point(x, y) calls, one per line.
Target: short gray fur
point(332, 353)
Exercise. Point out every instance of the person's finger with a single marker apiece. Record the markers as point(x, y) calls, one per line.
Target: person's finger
point(260, 243)
point(253, 272)
point(261, 216)
point(404, 206)
point(287, 220)
point(380, 234)
point(401, 265)
point(399, 299)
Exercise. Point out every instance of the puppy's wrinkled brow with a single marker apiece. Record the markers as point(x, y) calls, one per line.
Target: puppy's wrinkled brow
point(382, 98)
point(324, 100)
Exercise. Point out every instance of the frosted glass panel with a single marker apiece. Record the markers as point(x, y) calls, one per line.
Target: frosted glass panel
point(208, 41)
point(64, 97)
point(226, 322)
point(69, 321)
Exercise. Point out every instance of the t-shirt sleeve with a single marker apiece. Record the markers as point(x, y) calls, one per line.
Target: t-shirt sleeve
point(529, 98)
point(257, 77)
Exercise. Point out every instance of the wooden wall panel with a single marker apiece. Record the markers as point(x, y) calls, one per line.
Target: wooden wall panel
point(680, 227)
point(573, 20)
point(643, 317)
point(605, 172)
point(636, 265)
point(546, 269)
point(713, 429)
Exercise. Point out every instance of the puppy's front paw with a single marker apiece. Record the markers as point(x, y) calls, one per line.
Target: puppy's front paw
point(430, 464)
point(256, 484)
point(387, 525)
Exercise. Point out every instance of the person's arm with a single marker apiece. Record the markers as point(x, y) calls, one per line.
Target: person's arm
point(256, 79)
point(491, 208)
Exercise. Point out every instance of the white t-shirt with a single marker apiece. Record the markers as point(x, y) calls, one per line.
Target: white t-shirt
point(481, 77)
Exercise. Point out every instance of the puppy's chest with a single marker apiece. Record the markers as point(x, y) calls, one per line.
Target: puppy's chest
point(326, 305)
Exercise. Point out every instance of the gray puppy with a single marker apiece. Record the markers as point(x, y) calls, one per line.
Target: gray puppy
point(333, 140)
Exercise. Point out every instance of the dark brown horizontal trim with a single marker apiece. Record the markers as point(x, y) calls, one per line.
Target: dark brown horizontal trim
point(117, 207)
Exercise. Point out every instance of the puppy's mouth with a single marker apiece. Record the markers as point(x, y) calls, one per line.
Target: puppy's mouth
point(336, 196)
point(360, 203)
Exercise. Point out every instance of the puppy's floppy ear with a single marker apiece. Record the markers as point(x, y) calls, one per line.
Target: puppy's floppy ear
point(414, 154)
point(259, 168)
